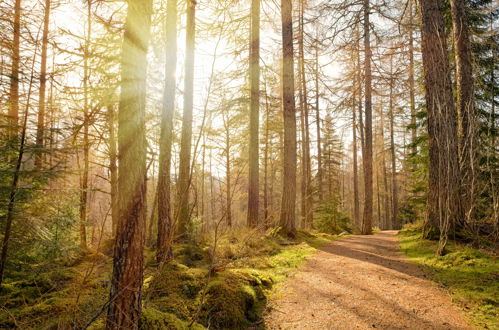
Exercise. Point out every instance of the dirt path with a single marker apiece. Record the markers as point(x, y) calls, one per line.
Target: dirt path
point(361, 282)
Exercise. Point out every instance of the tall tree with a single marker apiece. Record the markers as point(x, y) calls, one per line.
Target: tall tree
point(14, 75)
point(394, 219)
point(443, 196)
point(287, 214)
point(165, 220)
point(43, 82)
point(86, 126)
point(465, 105)
point(128, 260)
point(254, 76)
point(368, 154)
point(184, 179)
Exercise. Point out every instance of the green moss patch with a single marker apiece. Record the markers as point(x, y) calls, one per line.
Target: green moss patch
point(472, 277)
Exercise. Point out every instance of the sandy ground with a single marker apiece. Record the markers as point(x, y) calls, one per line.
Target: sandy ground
point(362, 282)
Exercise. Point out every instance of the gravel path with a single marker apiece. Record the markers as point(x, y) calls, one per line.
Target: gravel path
point(362, 282)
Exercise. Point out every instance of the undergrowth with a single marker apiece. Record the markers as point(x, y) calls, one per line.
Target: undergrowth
point(471, 276)
point(196, 290)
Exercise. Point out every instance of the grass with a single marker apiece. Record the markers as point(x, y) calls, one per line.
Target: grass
point(251, 264)
point(470, 276)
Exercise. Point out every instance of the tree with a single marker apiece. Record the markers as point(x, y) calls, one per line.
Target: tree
point(43, 82)
point(254, 68)
point(165, 220)
point(183, 210)
point(368, 154)
point(443, 196)
point(287, 215)
point(128, 260)
point(465, 106)
point(14, 75)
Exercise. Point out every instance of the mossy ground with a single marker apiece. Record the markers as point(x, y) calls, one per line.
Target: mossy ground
point(184, 294)
point(471, 276)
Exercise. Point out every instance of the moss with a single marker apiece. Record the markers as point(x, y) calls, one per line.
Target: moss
point(471, 276)
point(153, 319)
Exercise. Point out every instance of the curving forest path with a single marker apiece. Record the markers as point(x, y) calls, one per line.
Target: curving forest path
point(362, 282)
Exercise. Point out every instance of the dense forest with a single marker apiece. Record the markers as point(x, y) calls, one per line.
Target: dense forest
point(165, 163)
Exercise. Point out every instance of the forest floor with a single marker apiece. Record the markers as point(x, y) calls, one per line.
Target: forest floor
point(362, 282)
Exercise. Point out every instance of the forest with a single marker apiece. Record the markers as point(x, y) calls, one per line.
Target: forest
point(228, 164)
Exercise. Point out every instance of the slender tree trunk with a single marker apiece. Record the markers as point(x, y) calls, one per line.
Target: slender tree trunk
point(254, 68)
point(412, 100)
point(318, 125)
point(443, 197)
point(186, 139)
point(15, 179)
point(305, 126)
point(266, 159)
point(356, 207)
point(43, 82)
point(14, 76)
point(113, 169)
point(394, 220)
point(467, 130)
point(288, 216)
point(86, 142)
point(165, 221)
point(228, 186)
point(128, 261)
point(368, 156)
point(386, 190)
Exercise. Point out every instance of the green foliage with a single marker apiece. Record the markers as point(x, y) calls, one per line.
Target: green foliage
point(330, 219)
point(153, 319)
point(470, 275)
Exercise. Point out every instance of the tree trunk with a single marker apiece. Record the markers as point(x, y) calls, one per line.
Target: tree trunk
point(165, 221)
point(186, 139)
point(443, 196)
point(113, 169)
point(254, 75)
point(412, 100)
point(287, 214)
point(305, 126)
point(394, 220)
point(86, 142)
point(368, 156)
point(14, 76)
point(43, 82)
point(128, 261)
point(467, 130)
point(266, 160)
point(318, 125)
point(356, 208)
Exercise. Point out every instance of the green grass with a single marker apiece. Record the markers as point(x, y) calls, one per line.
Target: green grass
point(471, 276)
point(67, 296)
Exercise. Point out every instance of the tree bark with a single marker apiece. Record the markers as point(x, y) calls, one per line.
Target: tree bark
point(368, 156)
point(186, 139)
point(128, 261)
point(287, 214)
point(40, 131)
point(165, 221)
point(14, 76)
point(86, 142)
point(394, 220)
point(113, 169)
point(318, 126)
point(356, 207)
point(254, 75)
point(467, 130)
point(443, 196)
